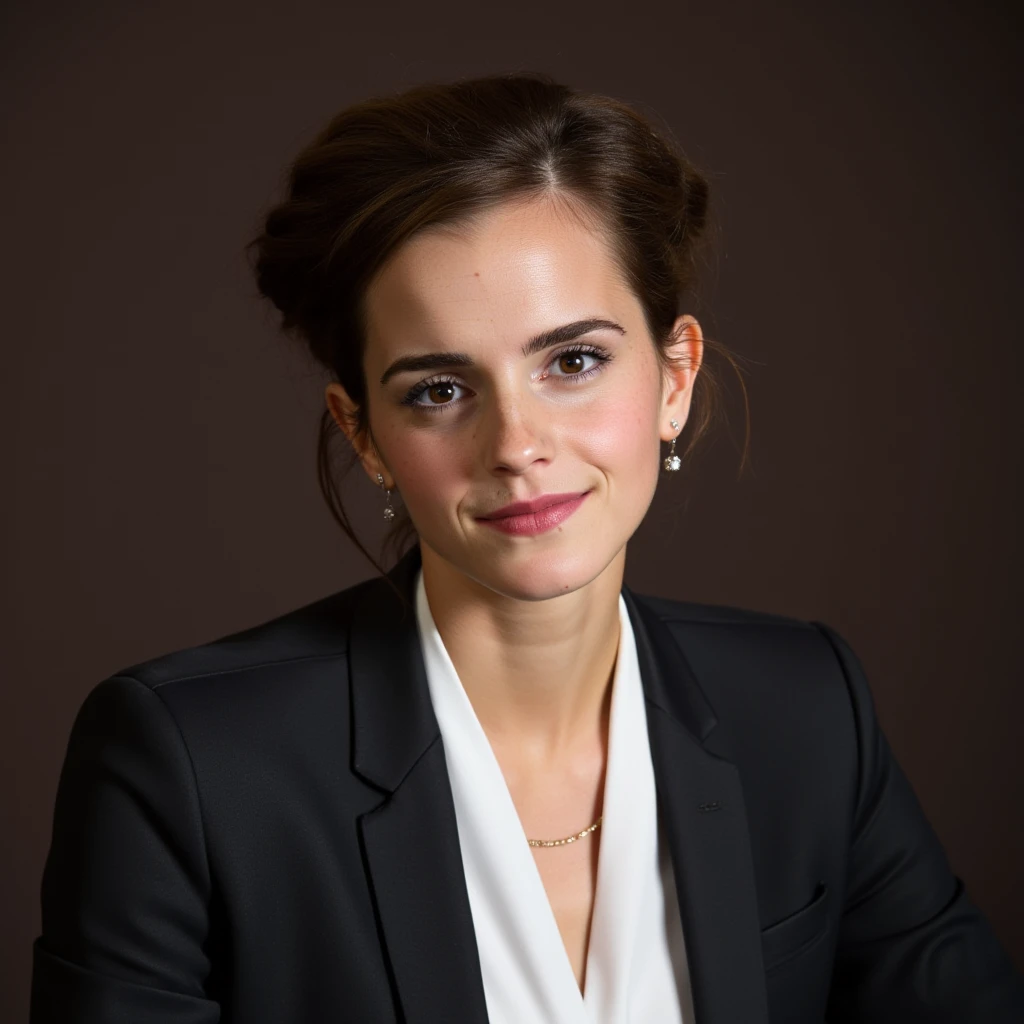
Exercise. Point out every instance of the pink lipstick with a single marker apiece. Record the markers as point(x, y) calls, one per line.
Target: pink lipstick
point(535, 516)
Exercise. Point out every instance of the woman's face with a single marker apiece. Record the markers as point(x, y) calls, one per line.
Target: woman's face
point(466, 415)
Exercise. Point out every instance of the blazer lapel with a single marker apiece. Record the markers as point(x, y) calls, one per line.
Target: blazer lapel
point(700, 800)
point(410, 841)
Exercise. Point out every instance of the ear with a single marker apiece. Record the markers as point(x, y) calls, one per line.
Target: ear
point(343, 410)
point(686, 352)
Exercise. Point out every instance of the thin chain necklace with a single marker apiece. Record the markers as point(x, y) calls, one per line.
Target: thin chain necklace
point(567, 839)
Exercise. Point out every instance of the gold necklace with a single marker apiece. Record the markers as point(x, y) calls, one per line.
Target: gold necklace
point(567, 839)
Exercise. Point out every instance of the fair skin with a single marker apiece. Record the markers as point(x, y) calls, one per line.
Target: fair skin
point(530, 622)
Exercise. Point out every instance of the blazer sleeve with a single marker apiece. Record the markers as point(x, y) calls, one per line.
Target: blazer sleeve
point(912, 946)
point(126, 884)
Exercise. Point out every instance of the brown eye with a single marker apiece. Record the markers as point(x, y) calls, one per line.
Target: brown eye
point(434, 395)
point(445, 389)
point(571, 362)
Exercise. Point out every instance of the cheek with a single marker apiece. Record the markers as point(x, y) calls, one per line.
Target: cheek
point(429, 466)
point(620, 431)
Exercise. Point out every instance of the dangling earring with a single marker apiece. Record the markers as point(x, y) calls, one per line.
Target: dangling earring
point(389, 512)
point(672, 461)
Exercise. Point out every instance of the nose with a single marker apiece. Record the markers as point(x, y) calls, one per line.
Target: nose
point(515, 432)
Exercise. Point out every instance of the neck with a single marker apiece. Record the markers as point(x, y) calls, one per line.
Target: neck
point(537, 672)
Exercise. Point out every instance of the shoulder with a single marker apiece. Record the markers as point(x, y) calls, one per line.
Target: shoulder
point(242, 705)
point(315, 631)
point(285, 673)
point(752, 664)
point(740, 632)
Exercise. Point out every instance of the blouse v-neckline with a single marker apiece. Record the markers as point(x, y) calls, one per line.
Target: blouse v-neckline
point(635, 960)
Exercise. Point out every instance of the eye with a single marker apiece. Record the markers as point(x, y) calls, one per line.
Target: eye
point(439, 392)
point(572, 361)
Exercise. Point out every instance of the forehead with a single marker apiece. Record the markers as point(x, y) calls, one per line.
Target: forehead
point(503, 275)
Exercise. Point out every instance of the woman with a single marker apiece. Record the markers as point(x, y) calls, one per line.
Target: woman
point(495, 783)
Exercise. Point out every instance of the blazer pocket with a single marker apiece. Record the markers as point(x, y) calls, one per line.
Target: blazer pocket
point(796, 932)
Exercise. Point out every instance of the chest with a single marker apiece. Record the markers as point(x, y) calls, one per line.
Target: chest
point(568, 872)
point(569, 875)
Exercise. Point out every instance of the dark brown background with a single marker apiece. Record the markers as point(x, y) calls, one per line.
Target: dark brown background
point(158, 436)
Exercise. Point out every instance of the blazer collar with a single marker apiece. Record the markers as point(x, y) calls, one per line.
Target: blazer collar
point(411, 839)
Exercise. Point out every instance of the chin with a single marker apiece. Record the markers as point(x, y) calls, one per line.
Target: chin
point(540, 574)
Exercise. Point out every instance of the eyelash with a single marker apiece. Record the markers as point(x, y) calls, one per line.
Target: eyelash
point(600, 355)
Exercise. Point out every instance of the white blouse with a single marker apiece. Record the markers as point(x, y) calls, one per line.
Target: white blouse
point(636, 959)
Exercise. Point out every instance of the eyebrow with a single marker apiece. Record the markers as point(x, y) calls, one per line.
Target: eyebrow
point(539, 342)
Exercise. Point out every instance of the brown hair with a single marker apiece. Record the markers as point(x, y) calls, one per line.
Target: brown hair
point(384, 168)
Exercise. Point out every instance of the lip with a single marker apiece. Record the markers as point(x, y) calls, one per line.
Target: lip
point(536, 515)
point(519, 508)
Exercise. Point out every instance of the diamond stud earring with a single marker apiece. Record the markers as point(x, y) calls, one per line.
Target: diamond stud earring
point(672, 461)
point(389, 512)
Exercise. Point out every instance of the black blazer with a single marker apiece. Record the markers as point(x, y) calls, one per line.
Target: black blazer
point(260, 830)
